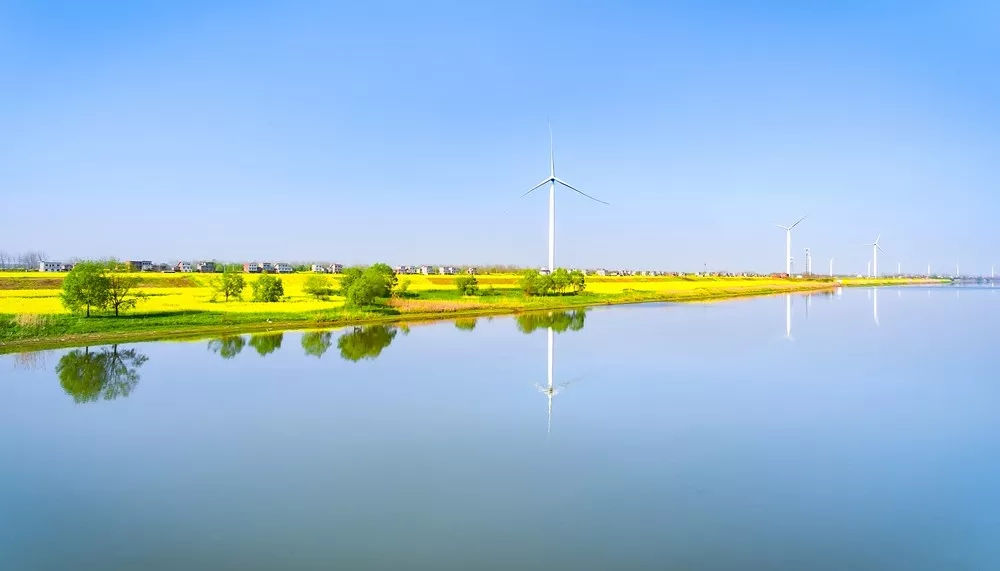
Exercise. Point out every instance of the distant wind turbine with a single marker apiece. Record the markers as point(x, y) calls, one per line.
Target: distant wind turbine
point(875, 250)
point(551, 181)
point(788, 244)
point(831, 267)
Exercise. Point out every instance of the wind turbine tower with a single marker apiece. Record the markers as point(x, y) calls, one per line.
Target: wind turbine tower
point(788, 244)
point(875, 250)
point(831, 267)
point(809, 262)
point(552, 180)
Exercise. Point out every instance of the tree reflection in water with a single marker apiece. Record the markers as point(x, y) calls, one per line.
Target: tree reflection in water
point(108, 373)
point(266, 343)
point(228, 346)
point(365, 342)
point(559, 321)
point(316, 342)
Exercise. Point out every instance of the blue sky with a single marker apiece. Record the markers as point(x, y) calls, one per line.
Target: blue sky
point(406, 132)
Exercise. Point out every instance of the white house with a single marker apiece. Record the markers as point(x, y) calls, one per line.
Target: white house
point(335, 268)
point(251, 268)
point(319, 269)
point(282, 268)
point(266, 267)
point(184, 267)
point(426, 270)
point(50, 266)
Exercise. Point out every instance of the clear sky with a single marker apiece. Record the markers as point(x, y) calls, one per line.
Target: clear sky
point(406, 132)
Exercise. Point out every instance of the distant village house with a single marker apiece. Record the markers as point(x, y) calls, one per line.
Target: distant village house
point(140, 265)
point(54, 267)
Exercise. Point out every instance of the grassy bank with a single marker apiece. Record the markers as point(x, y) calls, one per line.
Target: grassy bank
point(33, 318)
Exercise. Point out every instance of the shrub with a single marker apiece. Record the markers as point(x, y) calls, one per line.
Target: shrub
point(467, 285)
point(318, 286)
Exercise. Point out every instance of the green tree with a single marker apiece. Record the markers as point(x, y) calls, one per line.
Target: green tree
point(402, 289)
point(316, 343)
point(230, 284)
point(467, 285)
point(107, 374)
point(365, 342)
point(577, 281)
point(84, 287)
point(227, 346)
point(364, 287)
point(267, 288)
point(265, 343)
point(529, 282)
point(318, 286)
point(560, 279)
point(388, 273)
point(123, 289)
point(348, 277)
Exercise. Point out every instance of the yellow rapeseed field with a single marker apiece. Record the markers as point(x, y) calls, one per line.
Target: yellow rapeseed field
point(38, 293)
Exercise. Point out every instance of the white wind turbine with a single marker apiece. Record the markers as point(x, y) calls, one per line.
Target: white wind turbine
point(551, 181)
point(875, 250)
point(788, 244)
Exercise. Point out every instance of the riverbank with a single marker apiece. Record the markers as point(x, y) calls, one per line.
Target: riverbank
point(22, 329)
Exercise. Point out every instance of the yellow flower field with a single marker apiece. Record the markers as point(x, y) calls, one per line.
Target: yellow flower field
point(38, 293)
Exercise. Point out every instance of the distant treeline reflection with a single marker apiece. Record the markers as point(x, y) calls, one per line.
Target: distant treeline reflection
point(366, 342)
point(559, 321)
point(106, 374)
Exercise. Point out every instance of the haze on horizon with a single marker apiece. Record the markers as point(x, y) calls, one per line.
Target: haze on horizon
point(403, 133)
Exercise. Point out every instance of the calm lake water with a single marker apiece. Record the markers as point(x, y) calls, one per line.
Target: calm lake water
point(860, 432)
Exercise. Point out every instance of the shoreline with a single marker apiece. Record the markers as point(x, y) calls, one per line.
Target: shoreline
point(273, 322)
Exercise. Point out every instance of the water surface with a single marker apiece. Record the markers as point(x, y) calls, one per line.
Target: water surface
point(856, 430)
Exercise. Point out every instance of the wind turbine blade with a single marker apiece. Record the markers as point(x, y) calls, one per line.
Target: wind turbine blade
point(573, 188)
point(536, 187)
point(786, 228)
point(796, 222)
point(880, 248)
point(552, 154)
point(877, 238)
